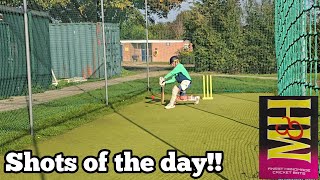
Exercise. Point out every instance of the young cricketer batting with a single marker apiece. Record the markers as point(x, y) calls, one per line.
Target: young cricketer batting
point(178, 74)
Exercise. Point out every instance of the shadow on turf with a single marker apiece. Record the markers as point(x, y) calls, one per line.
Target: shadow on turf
point(155, 136)
point(144, 129)
point(36, 152)
point(25, 132)
point(90, 94)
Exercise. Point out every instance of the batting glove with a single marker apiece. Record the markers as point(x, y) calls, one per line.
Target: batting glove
point(161, 81)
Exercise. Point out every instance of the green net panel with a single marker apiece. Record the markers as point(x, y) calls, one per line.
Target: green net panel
point(13, 72)
point(12, 52)
point(66, 51)
point(296, 41)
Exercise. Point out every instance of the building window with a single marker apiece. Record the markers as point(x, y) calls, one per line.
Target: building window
point(135, 46)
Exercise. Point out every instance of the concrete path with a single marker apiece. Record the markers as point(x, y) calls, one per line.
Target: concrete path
point(21, 101)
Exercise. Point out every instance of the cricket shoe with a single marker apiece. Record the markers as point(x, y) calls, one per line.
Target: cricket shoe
point(197, 100)
point(169, 106)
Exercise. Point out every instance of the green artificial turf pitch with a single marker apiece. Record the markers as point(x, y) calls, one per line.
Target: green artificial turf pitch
point(228, 123)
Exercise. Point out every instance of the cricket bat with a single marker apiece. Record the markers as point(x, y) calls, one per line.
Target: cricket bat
point(162, 94)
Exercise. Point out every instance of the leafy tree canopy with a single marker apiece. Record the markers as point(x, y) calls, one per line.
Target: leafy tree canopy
point(86, 8)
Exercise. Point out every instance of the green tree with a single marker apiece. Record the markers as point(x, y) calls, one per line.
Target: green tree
point(230, 29)
point(168, 30)
point(259, 51)
point(215, 26)
point(230, 38)
point(207, 43)
point(177, 26)
point(132, 27)
point(159, 7)
point(160, 31)
point(88, 10)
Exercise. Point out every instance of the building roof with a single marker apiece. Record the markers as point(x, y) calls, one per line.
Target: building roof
point(151, 41)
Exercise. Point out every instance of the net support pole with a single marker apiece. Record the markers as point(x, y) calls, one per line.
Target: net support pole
point(104, 53)
point(304, 53)
point(26, 30)
point(315, 15)
point(204, 85)
point(147, 43)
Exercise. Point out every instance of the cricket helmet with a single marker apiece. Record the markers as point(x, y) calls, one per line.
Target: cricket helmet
point(173, 59)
